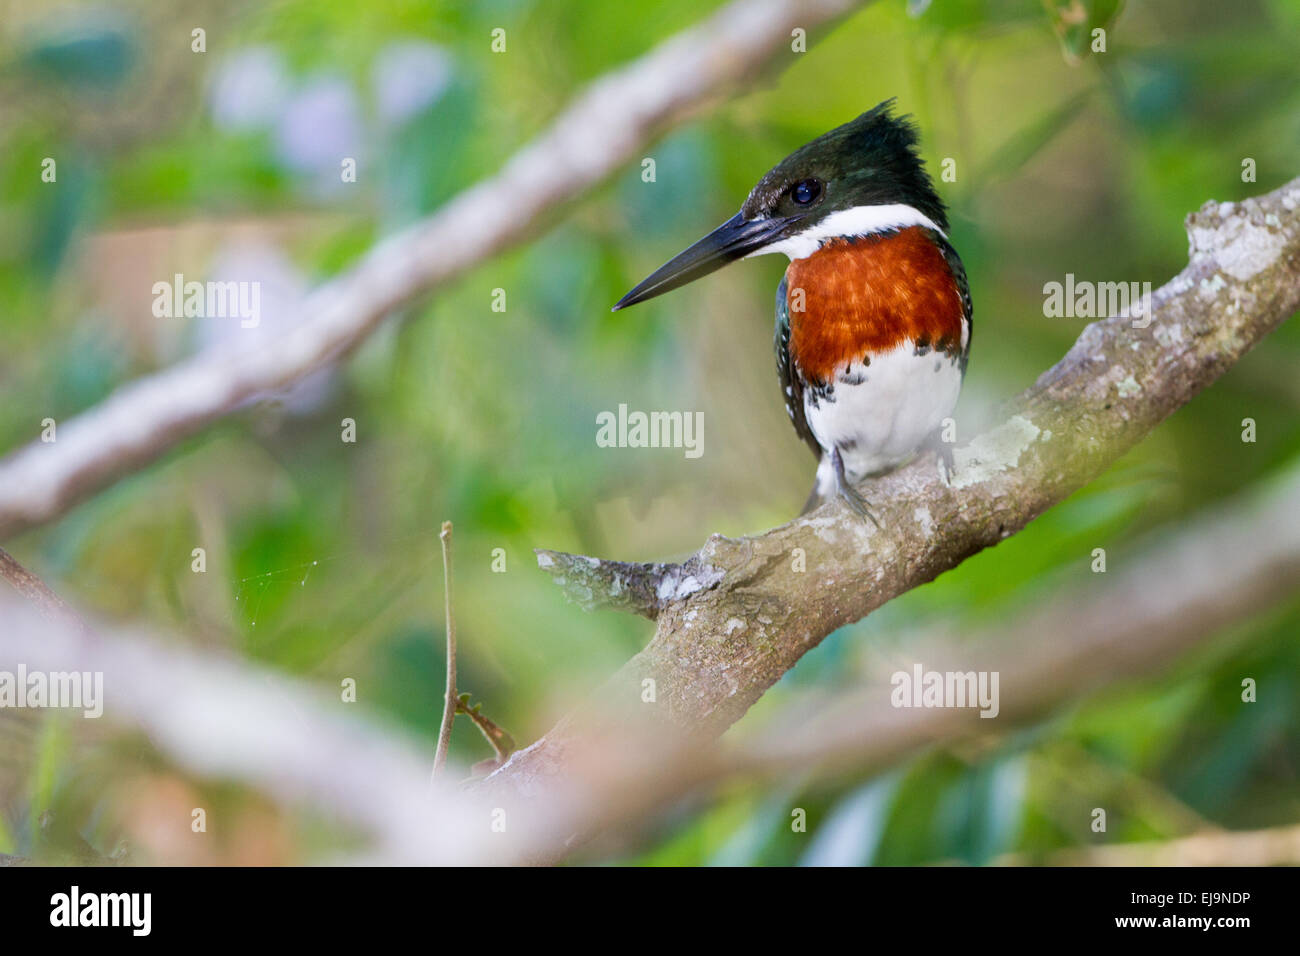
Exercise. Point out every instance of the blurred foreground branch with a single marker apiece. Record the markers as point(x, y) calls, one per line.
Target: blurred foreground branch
point(222, 718)
point(1276, 846)
point(605, 126)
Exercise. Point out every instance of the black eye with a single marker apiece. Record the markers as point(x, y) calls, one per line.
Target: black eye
point(806, 192)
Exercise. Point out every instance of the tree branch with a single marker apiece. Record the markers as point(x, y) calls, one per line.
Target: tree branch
point(635, 587)
point(604, 127)
point(1166, 597)
point(717, 648)
point(1169, 595)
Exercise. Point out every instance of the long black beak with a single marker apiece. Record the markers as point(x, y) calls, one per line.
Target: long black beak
point(734, 239)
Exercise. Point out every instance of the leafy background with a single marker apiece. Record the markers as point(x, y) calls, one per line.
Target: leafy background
point(323, 556)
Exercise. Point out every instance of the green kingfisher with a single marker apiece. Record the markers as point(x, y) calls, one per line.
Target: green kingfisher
point(873, 315)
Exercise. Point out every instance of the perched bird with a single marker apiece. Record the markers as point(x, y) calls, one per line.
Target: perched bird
point(873, 315)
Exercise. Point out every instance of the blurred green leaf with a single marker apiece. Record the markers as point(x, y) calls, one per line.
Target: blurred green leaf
point(1028, 141)
point(981, 812)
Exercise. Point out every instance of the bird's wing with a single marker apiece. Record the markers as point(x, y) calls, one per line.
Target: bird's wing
point(963, 286)
point(791, 383)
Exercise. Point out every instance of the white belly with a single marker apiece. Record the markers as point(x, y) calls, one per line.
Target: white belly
point(879, 414)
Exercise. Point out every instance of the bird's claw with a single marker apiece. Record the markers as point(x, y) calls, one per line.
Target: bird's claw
point(943, 452)
point(852, 497)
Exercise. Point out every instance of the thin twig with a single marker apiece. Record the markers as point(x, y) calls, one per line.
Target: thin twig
point(449, 703)
point(503, 745)
point(36, 590)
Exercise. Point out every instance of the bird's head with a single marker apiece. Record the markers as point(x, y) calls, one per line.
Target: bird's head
point(861, 178)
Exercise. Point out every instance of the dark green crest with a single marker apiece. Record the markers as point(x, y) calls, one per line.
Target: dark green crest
point(869, 161)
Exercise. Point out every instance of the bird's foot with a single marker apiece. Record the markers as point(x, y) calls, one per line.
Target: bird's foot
point(852, 497)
